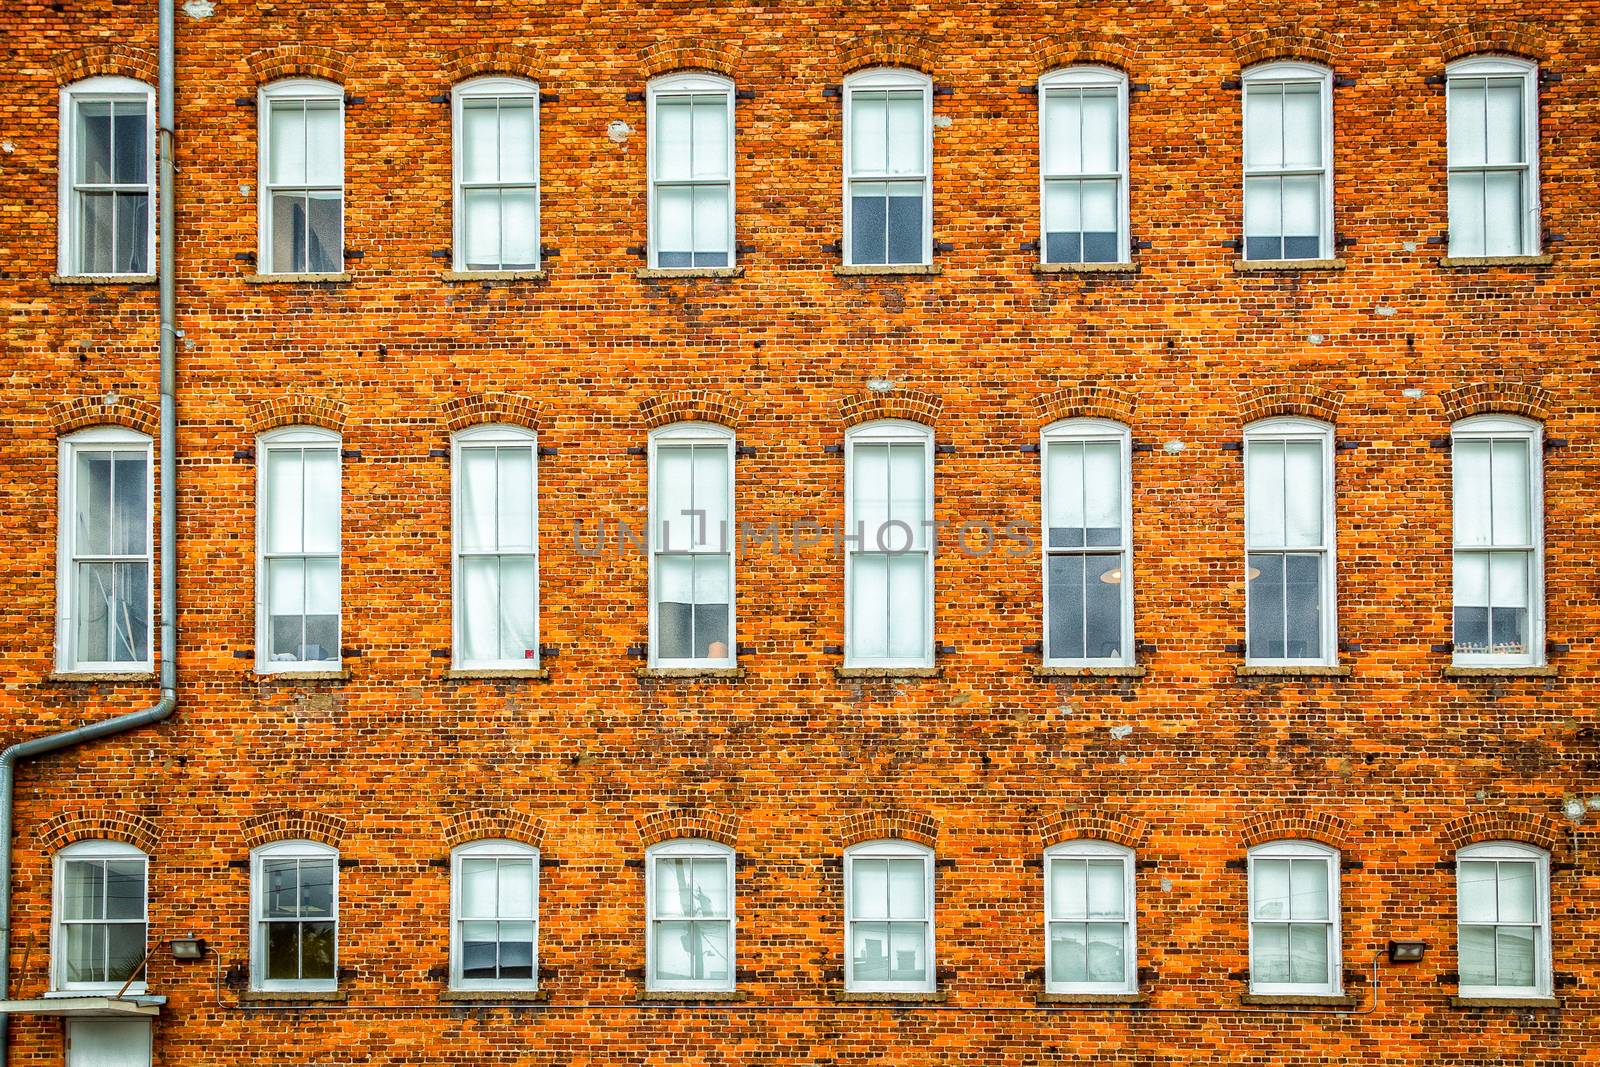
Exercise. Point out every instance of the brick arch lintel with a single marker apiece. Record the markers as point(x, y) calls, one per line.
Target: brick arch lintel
point(1490, 36)
point(1529, 828)
point(101, 60)
point(298, 61)
point(89, 824)
point(109, 409)
point(1496, 398)
point(476, 61)
point(1286, 41)
point(1309, 401)
point(1097, 823)
point(291, 824)
point(701, 405)
point(497, 824)
point(912, 404)
point(1087, 399)
point(689, 53)
point(1053, 53)
point(877, 823)
point(888, 48)
point(669, 824)
point(1283, 824)
point(298, 409)
point(479, 409)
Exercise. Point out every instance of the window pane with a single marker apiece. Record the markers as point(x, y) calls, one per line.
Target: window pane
point(1309, 883)
point(1101, 153)
point(287, 142)
point(516, 951)
point(130, 620)
point(1263, 218)
point(1514, 955)
point(479, 949)
point(1302, 581)
point(285, 492)
point(907, 952)
point(905, 222)
point(480, 609)
point(1508, 602)
point(1302, 126)
point(711, 887)
point(907, 899)
point(1503, 122)
point(1063, 149)
point(94, 142)
point(325, 232)
point(1466, 121)
point(674, 886)
point(1269, 953)
point(324, 143)
point(1467, 237)
point(675, 955)
point(478, 482)
point(322, 609)
point(1102, 493)
point(86, 953)
point(1102, 595)
point(869, 889)
point(1471, 602)
point(519, 229)
point(130, 505)
point(1308, 954)
point(1471, 477)
point(1069, 952)
point(1518, 885)
point(480, 144)
point(96, 233)
point(675, 223)
point(281, 888)
point(322, 500)
point(1063, 220)
point(907, 495)
point(316, 887)
point(869, 951)
point(710, 133)
point(1105, 889)
point(1099, 221)
point(869, 605)
point(710, 224)
point(478, 893)
point(289, 233)
point(1065, 499)
point(82, 889)
point(481, 229)
point(905, 133)
point(1302, 217)
point(1270, 888)
point(518, 140)
point(1502, 206)
point(283, 951)
point(1069, 889)
point(712, 597)
point(710, 480)
point(1476, 952)
point(125, 949)
point(131, 144)
point(95, 610)
point(518, 606)
point(1106, 961)
point(94, 505)
point(1264, 463)
point(516, 888)
point(1511, 493)
point(908, 606)
point(132, 241)
point(675, 607)
point(869, 135)
point(286, 607)
point(1476, 891)
point(317, 951)
point(869, 214)
point(124, 889)
point(1263, 116)
point(1265, 605)
point(711, 951)
point(674, 135)
point(515, 495)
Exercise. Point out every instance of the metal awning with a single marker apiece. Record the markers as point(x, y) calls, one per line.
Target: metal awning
point(85, 1007)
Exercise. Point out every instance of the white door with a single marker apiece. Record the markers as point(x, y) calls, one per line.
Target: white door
point(108, 1043)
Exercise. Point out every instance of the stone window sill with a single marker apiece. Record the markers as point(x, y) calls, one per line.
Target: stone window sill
point(1250, 266)
point(857, 270)
point(661, 274)
point(102, 279)
point(494, 276)
point(495, 674)
point(1535, 1003)
point(298, 677)
point(1468, 262)
point(495, 996)
point(299, 279)
point(1132, 999)
point(1311, 1000)
point(294, 996)
point(691, 996)
point(1086, 268)
point(846, 996)
point(74, 677)
point(732, 674)
point(856, 673)
point(1088, 672)
point(1290, 671)
point(1501, 672)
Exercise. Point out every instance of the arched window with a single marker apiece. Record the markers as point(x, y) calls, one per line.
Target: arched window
point(1499, 541)
point(496, 174)
point(888, 900)
point(690, 938)
point(1294, 919)
point(692, 546)
point(1288, 161)
point(301, 204)
point(889, 546)
point(1289, 562)
point(888, 163)
point(1503, 917)
point(1088, 558)
point(107, 178)
point(299, 550)
point(103, 605)
point(494, 932)
point(1083, 133)
point(294, 927)
point(1089, 918)
point(691, 171)
point(101, 919)
point(1493, 119)
point(496, 548)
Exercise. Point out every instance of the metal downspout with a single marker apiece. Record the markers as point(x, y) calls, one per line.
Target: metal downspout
point(168, 557)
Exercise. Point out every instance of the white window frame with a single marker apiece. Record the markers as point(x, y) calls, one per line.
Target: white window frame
point(887, 431)
point(1300, 850)
point(1280, 74)
point(293, 437)
point(1088, 431)
point(894, 849)
point(1087, 76)
point(892, 79)
point(477, 436)
point(98, 439)
point(685, 848)
point(1293, 428)
point(1501, 428)
point(518, 88)
point(92, 850)
point(707, 434)
point(1544, 977)
point(94, 90)
point(495, 849)
point(1089, 849)
point(689, 83)
point(295, 849)
point(292, 89)
point(1501, 66)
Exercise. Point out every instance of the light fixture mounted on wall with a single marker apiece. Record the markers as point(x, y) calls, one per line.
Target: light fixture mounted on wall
point(1407, 951)
point(188, 948)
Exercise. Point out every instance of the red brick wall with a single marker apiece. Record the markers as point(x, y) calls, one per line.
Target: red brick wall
point(1396, 764)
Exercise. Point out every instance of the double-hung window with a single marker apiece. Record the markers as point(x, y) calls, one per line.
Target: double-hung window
point(888, 901)
point(496, 549)
point(298, 534)
point(294, 917)
point(301, 201)
point(1089, 918)
point(100, 917)
point(1492, 106)
point(888, 119)
point(1499, 574)
point(1087, 560)
point(494, 935)
point(1294, 919)
point(497, 175)
point(1083, 113)
point(1288, 162)
point(691, 171)
point(1288, 488)
point(1502, 911)
point(103, 584)
point(889, 545)
point(107, 169)
point(689, 897)
point(691, 546)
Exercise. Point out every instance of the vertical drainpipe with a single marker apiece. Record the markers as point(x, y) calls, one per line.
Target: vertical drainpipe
point(168, 557)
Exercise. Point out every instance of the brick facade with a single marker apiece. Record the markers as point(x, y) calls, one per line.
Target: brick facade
point(1397, 765)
